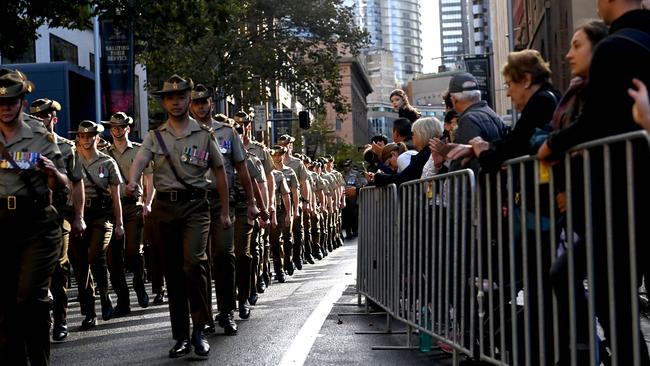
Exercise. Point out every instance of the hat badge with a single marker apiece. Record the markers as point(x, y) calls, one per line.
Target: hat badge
point(3, 90)
point(86, 129)
point(175, 85)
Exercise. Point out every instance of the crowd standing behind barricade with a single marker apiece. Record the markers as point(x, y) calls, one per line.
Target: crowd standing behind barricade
point(608, 96)
point(218, 207)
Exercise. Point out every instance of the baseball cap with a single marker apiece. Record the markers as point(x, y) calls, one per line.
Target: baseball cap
point(462, 82)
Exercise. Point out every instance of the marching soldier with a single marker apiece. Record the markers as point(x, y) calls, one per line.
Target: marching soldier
point(69, 203)
point(127, 253)
point(304, 194)
point(30, 165)
point(317, 211)
point(306, 217)
point(101, 179)
point(282, 219)
point(261, 229)
point(182, 151)
point(339, 184)
point(260, 188)
point(231, 265)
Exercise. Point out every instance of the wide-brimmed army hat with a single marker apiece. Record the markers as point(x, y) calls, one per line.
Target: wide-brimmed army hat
point(119, 119)
point(86, 126)
point(175, 84)
point(44, 105)
point(285, 140)
point(242, 117)
point(14, 83)
point(278, 150)
point(220, 117)
point(201, 91)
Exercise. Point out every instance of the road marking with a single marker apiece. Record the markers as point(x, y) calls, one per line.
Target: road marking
point(304, 340)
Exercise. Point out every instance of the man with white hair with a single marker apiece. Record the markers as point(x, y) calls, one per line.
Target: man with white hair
point(476, 118)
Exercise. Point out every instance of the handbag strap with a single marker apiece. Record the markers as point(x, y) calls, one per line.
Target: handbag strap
point(161, 142)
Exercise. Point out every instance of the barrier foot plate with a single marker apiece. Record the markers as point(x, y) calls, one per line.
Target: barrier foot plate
point(347, 304)
point(380, 332)
point(394, 348)
point(351, 314)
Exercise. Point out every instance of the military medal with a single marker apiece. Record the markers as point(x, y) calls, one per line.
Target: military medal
point(101, 171)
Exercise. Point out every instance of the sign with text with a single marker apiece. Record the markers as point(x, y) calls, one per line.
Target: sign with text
point(117, 69)
point(260, 118)
point(281, 124)
point(479, 66)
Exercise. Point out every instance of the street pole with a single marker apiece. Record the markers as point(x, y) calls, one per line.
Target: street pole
point(98, 85)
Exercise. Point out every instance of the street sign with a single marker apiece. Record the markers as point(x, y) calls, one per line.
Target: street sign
point(260, 118)
point(479, 66)
point(281, 124)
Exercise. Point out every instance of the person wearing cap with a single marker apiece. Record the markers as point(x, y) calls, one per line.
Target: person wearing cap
point(330, 196)
point(127, 253)
point(306, 216)
point(282, 219)
point(101, 179)
point(230, 257)
point(476, 118)
point(30, 166)
point(69, 203)
point(182, 151)
point(302, 209)
point(262, 233)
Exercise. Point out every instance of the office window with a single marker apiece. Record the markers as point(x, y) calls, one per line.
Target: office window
point(91, 60)
point(62, 50)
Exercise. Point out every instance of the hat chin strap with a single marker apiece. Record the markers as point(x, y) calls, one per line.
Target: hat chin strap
point(20, 110)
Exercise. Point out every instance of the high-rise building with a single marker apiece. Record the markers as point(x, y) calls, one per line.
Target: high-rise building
point(464, 31)
point(394, 25)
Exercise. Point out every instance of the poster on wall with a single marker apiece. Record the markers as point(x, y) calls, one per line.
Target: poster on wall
point(117, 69)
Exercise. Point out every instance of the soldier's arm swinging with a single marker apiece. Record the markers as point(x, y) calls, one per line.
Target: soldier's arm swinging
point(78, 200)
point(222, 187)
point(270, 182)
point(245, 180)
point(149, 193)
point(289, 208)
point(118, 228)
point(260, 190)
point(137, 167)
point(296, 202)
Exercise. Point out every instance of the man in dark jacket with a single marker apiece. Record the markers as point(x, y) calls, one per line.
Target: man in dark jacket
point(624, 55)
point(476, 117)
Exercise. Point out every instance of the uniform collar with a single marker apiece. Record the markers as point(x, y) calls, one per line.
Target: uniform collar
point(192, 126)
point(129, 145)
point(24, 132)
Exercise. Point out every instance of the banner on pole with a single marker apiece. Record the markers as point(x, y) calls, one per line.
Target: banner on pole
point(117, 68)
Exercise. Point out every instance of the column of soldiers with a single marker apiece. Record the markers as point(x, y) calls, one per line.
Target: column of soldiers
point(219, 205)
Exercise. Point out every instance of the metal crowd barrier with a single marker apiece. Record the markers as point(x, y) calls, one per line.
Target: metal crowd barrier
point(435, 258)
point(376, 246)
point(525, 266)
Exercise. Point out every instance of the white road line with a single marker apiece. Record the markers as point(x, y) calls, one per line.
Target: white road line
point(304, 340)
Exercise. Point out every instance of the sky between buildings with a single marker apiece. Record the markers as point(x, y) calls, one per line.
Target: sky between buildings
point(430, 26)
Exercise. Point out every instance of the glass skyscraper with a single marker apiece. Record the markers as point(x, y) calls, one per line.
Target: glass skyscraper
point(394, 25)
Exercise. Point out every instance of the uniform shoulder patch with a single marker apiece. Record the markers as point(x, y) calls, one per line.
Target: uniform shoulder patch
point(64, 140)
point(206, 128)
point(138, 144)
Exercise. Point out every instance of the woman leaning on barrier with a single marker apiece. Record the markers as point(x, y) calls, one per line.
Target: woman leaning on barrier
point(424, 129)
point(584, 40)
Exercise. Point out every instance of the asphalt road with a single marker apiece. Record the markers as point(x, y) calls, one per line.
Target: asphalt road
point(144, 337)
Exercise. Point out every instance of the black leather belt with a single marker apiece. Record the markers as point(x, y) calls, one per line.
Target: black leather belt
point(21, 203)
point(97, 202)
point(181, 195)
